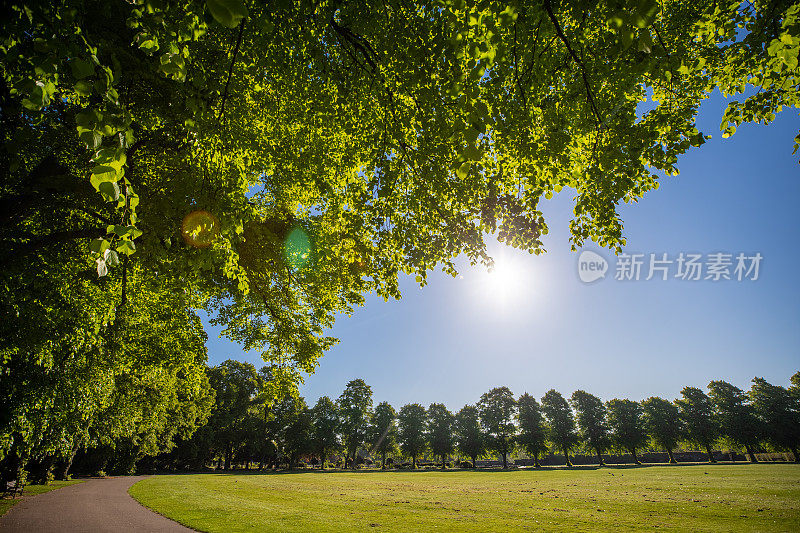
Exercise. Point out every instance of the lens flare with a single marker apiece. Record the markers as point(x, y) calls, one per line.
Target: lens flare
point(297, 248)
point(199, 229)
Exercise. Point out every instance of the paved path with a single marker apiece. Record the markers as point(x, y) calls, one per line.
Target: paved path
point(94, 505)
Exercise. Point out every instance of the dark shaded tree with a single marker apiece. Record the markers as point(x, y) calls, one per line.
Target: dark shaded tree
point(355, 409)
point(441, 437)
point(779, 412)
point(469, 436)
point(592, 425)
point(383, 431)
point(235, 384)
point(325, 422)
point(412, 426)
point(560, 423)
point(736, 416)
point(627, 425)
point(532, 436)
point(699, 423)
point(663, 423)
point(498, 410)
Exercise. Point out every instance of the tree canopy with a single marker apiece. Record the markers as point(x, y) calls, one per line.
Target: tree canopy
point(270, 163)
point(281, 159)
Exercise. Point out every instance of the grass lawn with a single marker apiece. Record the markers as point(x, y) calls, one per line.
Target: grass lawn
point(8, 503)
point(761, 497)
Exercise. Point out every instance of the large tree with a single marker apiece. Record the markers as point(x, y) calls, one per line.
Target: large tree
point(441, 439)
point(469, 436)
point(412, 421)
point(627, 426)
point(663, 423)
point(235, 384)
point(498, 409)
point(532, 437)
point(699, 422)
point(325, 422)
point(355, 409)
point(592, 424)
point(778, 410)
point(387, 138)
point(561, 429)
point(383, 431)
point(736, 416)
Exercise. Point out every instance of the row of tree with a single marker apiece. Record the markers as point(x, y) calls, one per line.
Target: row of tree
point(245, 428)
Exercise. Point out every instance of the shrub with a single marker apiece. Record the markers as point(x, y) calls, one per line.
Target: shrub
point(466, 464)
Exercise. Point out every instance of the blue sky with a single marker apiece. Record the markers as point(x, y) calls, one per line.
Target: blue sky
point(534, 325)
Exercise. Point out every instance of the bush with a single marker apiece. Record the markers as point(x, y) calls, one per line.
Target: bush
point(466, 464)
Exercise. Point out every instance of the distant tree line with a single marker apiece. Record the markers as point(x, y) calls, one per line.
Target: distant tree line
point(246, 429)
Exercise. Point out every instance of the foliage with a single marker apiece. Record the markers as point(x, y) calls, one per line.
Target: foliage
point(592, 425)
point(697, 414)
point(498, 410)
point(441, 439)
point(470, 440)
point(282, 159)
point(735, 415)
point(626, 423)
point(412, 425)
point(778, 410)
point(532, 437)
point(383, 431)
point(325, 421)
point(662, 421)
point(561, 429)
point(355, 409)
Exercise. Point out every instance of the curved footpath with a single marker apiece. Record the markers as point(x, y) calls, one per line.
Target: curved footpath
point(94, 505)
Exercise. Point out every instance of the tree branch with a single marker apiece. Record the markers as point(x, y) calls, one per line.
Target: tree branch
point(230, 70)
point(560, 33)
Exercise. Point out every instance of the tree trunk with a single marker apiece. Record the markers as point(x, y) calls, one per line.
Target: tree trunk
point(635, 457)
point(383, 460)
point(322, 459)
point(751, 454)
point(536, 461)
point(64, 473)
point(566, 456)
point(796, 456)
point(444, 458)
point(710, 454)
point(474, 461)
point(600, 461)
point(505, 464)
point(671, 457)
point(228, 452)
point(414, 462)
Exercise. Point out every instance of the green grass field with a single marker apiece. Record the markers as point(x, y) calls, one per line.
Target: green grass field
point(762, 497)
point(8, 503)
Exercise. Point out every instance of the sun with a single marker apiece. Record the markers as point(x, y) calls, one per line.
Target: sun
point(505, 283)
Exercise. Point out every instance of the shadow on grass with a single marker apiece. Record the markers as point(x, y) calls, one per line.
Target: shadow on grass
point(488, 471)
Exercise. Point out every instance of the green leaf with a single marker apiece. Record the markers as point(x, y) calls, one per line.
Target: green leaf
point(99, 245)
point(109, 190)
point(472, 153)
point(81, 69)
point(126, 247)
point(91, 138)
point(83, 88)
point(111, 257)
point(229, 13)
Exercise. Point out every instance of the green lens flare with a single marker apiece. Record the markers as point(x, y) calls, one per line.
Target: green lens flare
point(297, 248)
